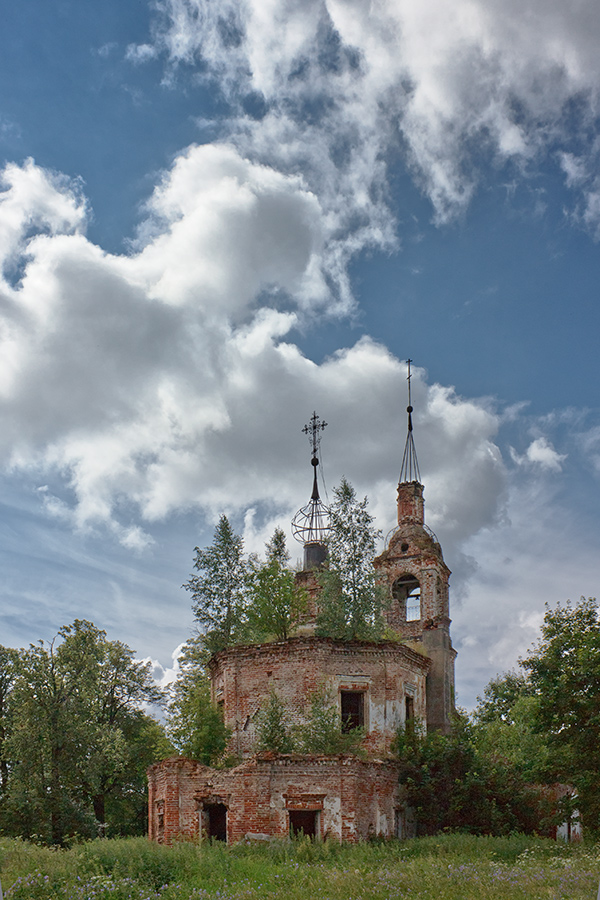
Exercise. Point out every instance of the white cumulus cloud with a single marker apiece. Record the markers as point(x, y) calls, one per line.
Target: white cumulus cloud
point(541, 453)
point(164, 379)
point(457, 86)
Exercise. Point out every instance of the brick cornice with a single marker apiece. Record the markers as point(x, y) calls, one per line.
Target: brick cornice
point(316, 645)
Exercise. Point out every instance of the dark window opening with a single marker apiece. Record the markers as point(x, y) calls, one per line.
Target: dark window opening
point(216, 821)
point(407, 591)
point(409, 708)
point(303, 822)
point(353, 710)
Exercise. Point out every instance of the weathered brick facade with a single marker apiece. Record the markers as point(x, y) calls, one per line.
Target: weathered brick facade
point(350, 799)
point(381, 684)
point(413, 556)
point(383, 673)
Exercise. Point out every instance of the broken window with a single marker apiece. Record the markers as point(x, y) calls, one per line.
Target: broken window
point(407, 591)
point(352, 705)
point(409, 704)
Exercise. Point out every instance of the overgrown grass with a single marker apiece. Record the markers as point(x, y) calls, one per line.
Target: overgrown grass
point(447, 867)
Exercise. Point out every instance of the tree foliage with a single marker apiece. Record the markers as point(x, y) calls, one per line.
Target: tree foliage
point(194, 724)
point(564, 674)
point(273, 731)
point(505, 726)
point(235, 599)
point(452, 783)
point(322, 732)
point(8, 672)
point(238, 599)
point(545, 721)
point(500, 696)
point(517, 740)
point(219, 588)
point(77, 735)
point(276, 603)
point(351, 602)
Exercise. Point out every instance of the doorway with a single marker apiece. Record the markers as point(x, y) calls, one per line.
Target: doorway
point(304, 822)
point(216, 821)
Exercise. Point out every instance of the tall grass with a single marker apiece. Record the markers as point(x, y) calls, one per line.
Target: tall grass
point(447, 867)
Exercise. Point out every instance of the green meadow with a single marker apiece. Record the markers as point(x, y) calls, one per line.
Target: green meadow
point(447, 867)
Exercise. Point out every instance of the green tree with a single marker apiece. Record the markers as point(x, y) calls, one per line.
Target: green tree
point(505, 726)
point(194, 724)
point(322, 730)
point(8, 673)
point(518, 742)
point(500, 696)
point(564, 672)
point(75, 710)
point(44, 743)
point(276, 602)
point(450, 783)
point(272, 728)
point(219, 588)
point(351, 602)
point(126, 806)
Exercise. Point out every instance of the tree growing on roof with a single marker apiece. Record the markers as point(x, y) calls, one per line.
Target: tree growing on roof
point(219, 588)
point(276, 603)
point(351, 602)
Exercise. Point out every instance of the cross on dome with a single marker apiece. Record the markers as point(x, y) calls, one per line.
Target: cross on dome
point(409, 470)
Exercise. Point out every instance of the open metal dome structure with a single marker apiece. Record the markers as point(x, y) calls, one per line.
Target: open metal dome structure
point(311, 524)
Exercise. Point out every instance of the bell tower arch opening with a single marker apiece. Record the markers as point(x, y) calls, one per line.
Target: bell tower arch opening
point(406, 590)
point(412, 570)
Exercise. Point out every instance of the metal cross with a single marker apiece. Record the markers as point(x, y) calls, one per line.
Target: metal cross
point(313, 429)
point(409, 408)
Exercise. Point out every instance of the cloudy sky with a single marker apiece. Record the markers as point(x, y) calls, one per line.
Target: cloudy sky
point(216, 217)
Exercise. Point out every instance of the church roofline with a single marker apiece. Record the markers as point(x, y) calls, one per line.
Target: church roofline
point(305, 642)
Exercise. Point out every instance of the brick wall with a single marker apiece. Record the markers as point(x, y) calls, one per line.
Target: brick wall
point(243, 677)
point(353, 799)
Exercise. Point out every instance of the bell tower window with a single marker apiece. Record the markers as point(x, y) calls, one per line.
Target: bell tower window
point(407, 591)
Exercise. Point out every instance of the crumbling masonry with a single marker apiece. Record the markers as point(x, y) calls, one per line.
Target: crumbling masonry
point(379, 686)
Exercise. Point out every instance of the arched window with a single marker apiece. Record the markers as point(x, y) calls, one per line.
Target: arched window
point(407, 591)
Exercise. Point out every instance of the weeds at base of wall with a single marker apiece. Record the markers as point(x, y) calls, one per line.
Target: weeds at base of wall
point(446, 867)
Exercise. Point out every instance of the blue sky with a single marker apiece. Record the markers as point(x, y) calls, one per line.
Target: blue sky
point(215, 218)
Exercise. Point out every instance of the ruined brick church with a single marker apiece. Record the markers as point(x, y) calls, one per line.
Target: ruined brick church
point(379, 686)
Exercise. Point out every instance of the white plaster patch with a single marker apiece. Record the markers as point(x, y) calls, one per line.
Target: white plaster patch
point(332, 816)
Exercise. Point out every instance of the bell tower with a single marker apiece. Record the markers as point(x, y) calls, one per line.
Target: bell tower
point(413, 569)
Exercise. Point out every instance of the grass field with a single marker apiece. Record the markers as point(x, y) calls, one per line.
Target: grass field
point(448, 867)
